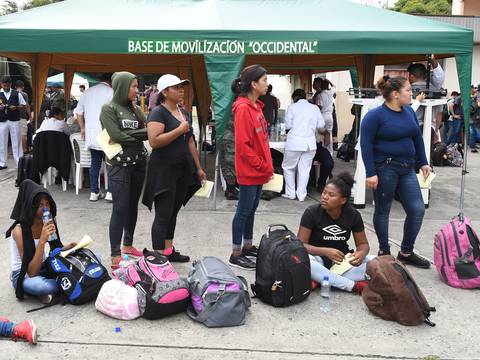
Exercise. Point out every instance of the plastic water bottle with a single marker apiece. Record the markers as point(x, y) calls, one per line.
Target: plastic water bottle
point(125, 262)
point(48, 218)
point(325, 295)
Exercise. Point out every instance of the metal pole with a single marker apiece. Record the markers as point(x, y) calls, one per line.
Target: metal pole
point(464, 173)
point(215, 181)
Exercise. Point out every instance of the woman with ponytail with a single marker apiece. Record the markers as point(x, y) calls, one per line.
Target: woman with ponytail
point(325, 230)
point(253, 161)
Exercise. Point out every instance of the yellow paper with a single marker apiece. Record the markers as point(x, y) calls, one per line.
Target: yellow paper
point(425, 183)
point(275, 184)
point(110, 150)
point(341, 268)
point(205, 190)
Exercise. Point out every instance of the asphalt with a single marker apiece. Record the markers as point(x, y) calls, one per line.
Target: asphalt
point(349, 331)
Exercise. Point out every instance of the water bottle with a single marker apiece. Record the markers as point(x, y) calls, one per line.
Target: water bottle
point(325, 295)
point(277, 132)
point(125, 262)
point(48, 218)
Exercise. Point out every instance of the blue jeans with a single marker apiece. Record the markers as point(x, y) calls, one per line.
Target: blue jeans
point(393, 177)
point(97, 158)
point(455, 130)
point(242, 225)
point(6, 328)
point(36, 286)
point(473, 135)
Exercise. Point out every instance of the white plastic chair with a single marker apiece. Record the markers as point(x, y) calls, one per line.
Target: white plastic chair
point(82, 159)
point(47, 179)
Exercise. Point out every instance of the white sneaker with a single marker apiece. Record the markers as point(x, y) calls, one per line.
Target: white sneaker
point(288, 197)
point(108, 197)
point(45, 299)
point(96, 197)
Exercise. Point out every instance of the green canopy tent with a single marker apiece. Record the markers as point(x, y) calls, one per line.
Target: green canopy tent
point(211, 40)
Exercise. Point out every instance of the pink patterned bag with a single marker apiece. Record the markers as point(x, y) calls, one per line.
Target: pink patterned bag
point(457, 254)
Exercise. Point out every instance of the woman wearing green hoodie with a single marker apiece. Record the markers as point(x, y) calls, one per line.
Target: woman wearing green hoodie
point(125, 123)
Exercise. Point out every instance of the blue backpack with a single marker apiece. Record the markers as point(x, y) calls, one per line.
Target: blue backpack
point(80, 275)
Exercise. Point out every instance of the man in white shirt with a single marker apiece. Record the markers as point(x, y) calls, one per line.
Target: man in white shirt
point(11, 101)
point(88, 116)
point(56, 122)
point(417, 76)
point(302, 120)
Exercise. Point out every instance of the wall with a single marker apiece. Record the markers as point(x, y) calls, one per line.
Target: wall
point(451, 78)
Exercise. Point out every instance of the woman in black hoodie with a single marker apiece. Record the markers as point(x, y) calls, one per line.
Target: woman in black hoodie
point(28, 237)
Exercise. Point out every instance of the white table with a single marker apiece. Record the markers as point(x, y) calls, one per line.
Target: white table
point(360, 174)
point(277, 145)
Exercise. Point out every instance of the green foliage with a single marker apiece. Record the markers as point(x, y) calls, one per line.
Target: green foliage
point(425, 7)
point(10, 6)
point(36, 3)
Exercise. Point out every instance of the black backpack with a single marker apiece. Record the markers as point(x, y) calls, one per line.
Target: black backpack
point(282, 276)
point(25, 169)
point(439, 155)
point(80, 275)
point(346, 151)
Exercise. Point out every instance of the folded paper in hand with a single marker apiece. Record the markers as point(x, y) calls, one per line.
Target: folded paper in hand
point(425, 183)
point(205, 190)
point(341, 268)
point(110, 150)
point(275, 184)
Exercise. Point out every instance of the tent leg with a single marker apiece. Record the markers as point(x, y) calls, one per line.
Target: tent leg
point(215, 181)
point(464, 173)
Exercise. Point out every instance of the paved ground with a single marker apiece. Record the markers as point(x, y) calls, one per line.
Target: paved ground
point(349, 331)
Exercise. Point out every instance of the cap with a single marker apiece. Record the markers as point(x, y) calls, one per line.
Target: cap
point(168, 80)
point(56, 85)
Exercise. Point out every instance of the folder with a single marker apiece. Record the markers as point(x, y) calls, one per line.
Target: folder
point(425, 183)
point(275, 184)
point(110, 150)
point(205, 190)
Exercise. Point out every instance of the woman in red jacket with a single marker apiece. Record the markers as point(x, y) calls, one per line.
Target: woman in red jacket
point(253, 162)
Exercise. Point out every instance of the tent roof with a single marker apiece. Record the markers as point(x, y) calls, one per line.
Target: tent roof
point(337, 26)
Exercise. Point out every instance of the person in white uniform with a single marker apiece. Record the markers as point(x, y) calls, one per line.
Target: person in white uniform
point(11, 101)
point(324, 95)
point(56, 122)
point(88, 115)
point(302, 121)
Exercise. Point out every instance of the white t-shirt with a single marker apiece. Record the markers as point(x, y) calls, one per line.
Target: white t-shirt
point(90, 106)
point(53, 124)
point(16, 260)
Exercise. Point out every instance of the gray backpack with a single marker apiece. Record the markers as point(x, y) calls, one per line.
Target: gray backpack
point(219, 297)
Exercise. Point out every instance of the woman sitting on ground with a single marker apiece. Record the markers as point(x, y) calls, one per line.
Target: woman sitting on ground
point(325, 230)
point(28, 236)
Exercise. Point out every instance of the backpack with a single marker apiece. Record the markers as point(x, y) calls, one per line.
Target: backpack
point(393, 295)
point(162, 292)
point(118, 300)
point(80, 275)
point(282, 276)
point(218, 297)
point(454, 155)
point(346, 151)
point(457, 254)
point(439, 155)
point(25, 169)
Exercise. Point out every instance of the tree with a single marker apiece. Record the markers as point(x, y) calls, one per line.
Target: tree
point(424, 7)
point(36, 3)
point(10, 6)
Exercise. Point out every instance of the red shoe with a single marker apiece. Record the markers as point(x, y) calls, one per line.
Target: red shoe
point(2, 319)
point(359, 286)
point(26, 330)
point(132, 251)
point(314, 285)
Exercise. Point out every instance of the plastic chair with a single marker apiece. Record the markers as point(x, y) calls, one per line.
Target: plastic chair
point(82, 159)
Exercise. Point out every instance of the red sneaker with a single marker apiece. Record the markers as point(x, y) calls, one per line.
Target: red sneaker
point(132, 251)
point(359, 286)
point(26, 330)
point(314, 285)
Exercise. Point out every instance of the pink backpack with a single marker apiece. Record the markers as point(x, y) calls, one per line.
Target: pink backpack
point(162, 292)
point(457, 254)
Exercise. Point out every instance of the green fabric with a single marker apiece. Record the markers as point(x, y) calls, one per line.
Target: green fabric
point(464, 68)
point(222, 70)
point(123, 126)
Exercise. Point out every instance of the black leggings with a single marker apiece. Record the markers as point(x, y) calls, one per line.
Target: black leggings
point(167, 206)
point(325, 159)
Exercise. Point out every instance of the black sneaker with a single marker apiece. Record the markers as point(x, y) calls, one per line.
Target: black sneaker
point(3, 167)
point(175, 256)
point(474, 150)
point(250, 252)
point(414, 260)
point(242, 262)
point(381, 253)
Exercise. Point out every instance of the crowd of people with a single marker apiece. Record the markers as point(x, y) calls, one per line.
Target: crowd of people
point(390, 138)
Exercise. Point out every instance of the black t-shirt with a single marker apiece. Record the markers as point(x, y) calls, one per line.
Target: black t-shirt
point(330, 233)
point(178, 148)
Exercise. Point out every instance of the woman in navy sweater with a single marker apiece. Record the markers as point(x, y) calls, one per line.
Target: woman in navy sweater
point(392, 143)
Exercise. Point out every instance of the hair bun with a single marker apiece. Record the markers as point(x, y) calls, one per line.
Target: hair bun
point(236, 86)
point(347, 178)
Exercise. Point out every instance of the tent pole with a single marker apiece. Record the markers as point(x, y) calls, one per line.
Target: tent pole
point(464, 174)
point(215, 181)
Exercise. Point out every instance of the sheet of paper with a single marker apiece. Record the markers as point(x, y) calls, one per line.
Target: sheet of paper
point(205, 190)
point(425, 183)
point(341, 268)
point(275, 184)
point(110, 150)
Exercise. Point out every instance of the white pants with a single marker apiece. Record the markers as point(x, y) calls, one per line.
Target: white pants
point(14, 129)
point(299, 162)
point(343, 282)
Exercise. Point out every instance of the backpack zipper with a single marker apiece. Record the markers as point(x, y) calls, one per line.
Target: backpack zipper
point(413, 289)
point(457, 243)
point(446, 247)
